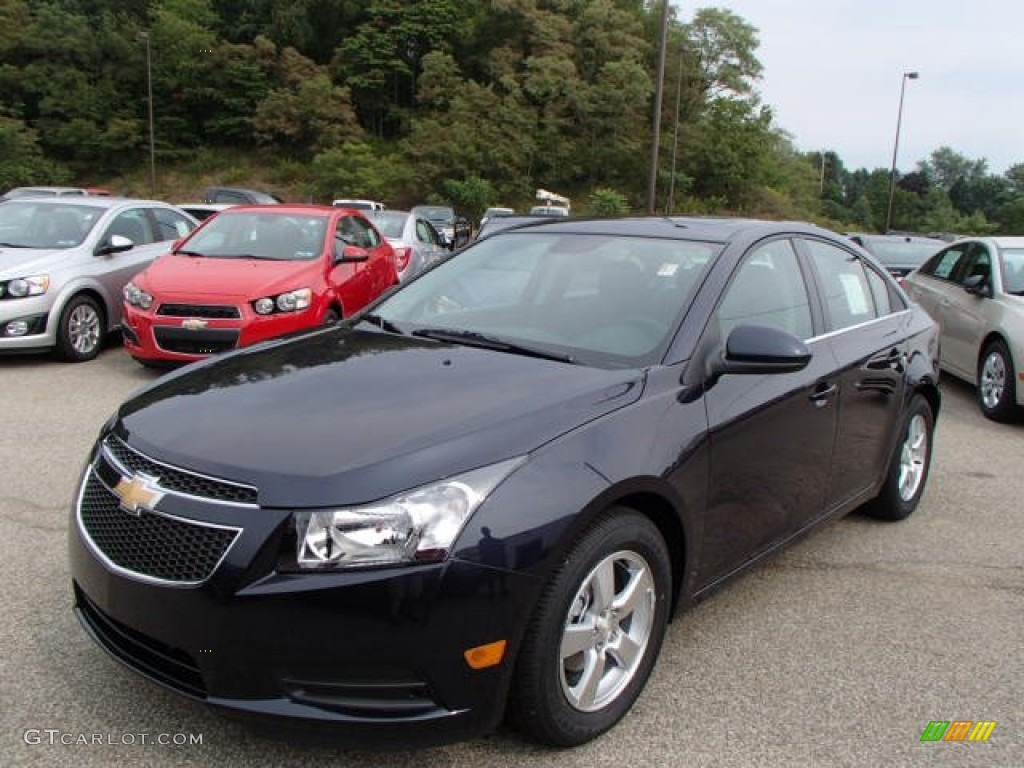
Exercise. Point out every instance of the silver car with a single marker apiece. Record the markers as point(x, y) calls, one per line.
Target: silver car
point(64, 262)
point(974, 289)
point(416, 243)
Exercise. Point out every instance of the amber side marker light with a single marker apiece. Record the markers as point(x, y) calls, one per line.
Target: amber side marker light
point(484, 656)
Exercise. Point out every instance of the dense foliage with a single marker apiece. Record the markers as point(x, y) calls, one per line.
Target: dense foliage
point(473, 101)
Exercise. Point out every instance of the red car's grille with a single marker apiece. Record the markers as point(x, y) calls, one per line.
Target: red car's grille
point(212, 311)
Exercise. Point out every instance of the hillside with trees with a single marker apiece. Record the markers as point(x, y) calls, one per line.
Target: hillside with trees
point(477, 102)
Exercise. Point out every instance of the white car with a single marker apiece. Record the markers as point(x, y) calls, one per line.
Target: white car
point(359, 205)
point(974, 289)
point(64, 262)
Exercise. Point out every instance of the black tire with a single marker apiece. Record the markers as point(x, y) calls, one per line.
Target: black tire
point(81, 330)
point(997, 383)
point(549, 701)
point(909, 466)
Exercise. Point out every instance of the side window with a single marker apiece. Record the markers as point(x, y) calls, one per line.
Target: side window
point(224, 196)
point(880, 292)
point(355, 231)
point(847, 295)
point(943, 264)
point(423, 232)
point(170, 225)
point(977, 264)
point(133, 224)
point(768, 289)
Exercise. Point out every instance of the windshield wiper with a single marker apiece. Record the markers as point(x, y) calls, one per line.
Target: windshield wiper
point(197, 254)
point(382, 323)
point(14, 245)
point(477, 339)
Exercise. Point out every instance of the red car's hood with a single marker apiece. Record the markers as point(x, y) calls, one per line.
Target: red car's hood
point(205, 276)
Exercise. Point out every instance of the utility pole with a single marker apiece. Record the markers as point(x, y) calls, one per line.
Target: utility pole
point(652, 178)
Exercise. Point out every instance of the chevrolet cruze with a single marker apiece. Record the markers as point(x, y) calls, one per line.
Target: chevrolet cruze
point(486, 496)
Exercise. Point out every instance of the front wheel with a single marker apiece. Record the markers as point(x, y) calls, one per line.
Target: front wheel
point(997, 383)
point(908, 468)
point(595, 634)
point(80, 330)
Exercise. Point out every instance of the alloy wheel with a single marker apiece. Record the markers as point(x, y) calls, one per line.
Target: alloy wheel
point(607, 631)
point(913, 457)
point(993, 380)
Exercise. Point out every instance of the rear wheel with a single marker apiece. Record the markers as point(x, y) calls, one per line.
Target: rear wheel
point(80, 330)
point(997, 383)
point(908, 468)
point(595, 634)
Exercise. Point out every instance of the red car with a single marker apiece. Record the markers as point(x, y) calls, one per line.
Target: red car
point(253, 273)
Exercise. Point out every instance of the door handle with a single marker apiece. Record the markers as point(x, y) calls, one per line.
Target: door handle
point(823, 392)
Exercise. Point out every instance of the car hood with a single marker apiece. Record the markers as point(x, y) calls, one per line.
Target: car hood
point(16, 262)
point(203, 276)
point(345, 417)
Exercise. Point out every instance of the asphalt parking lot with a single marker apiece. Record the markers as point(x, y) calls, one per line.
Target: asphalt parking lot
point(838, 652)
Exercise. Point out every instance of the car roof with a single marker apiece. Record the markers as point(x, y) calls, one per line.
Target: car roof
point(894, 237)
point(93, 201)
point(1008, 242)
point(709, 228)
point(284, 209)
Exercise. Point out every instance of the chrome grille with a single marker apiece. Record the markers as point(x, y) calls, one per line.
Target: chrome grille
point(151, 544)
point(179, 480)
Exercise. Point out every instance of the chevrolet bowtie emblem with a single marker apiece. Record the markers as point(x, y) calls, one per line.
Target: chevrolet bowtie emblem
point(193, 324)
point(138, 493)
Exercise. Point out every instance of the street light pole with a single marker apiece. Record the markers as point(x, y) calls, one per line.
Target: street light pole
point(152, 139)
point(896, 147)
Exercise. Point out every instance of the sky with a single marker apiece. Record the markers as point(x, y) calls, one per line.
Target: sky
point(833, 70)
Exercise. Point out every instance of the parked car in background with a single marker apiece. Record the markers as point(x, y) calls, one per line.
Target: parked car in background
point(549, 210)
point(359, 204)
point(64, 262)
point(203, 211)
point(17, 192)
point(251, 274)
point(453, 228)
point(498, 223)
point(239, 196)
point(416, 243)
point(491, 212)
point(974, 289)
point(488, 494)
point(900, 254)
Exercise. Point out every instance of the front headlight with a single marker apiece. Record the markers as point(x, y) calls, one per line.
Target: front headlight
point(137, 297)
point(415, 526)
point(34, 285)
point(290, 301)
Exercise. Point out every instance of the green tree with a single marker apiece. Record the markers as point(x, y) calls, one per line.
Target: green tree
point(607, 203)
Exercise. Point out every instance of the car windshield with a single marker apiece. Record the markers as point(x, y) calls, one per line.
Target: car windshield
point(903, 252)
point(608, 301)
point(259, 235)
point(1013, 270)
point(390, 223)
point(436, 213)
point(34, 224)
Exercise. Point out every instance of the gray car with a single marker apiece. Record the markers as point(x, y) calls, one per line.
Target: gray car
point(974, 289)
point(64, 262)
point(416, 243)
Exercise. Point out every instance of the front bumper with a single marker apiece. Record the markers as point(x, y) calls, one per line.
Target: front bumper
point(372, 657)
point(35, 311)
point(181, 339)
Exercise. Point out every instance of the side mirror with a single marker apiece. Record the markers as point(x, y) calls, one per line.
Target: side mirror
point(978, 285)
point(757, 349)
point(352, 254)
point(116, 244)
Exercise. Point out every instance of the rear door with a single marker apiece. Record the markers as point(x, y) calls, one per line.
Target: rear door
point(866, 325)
